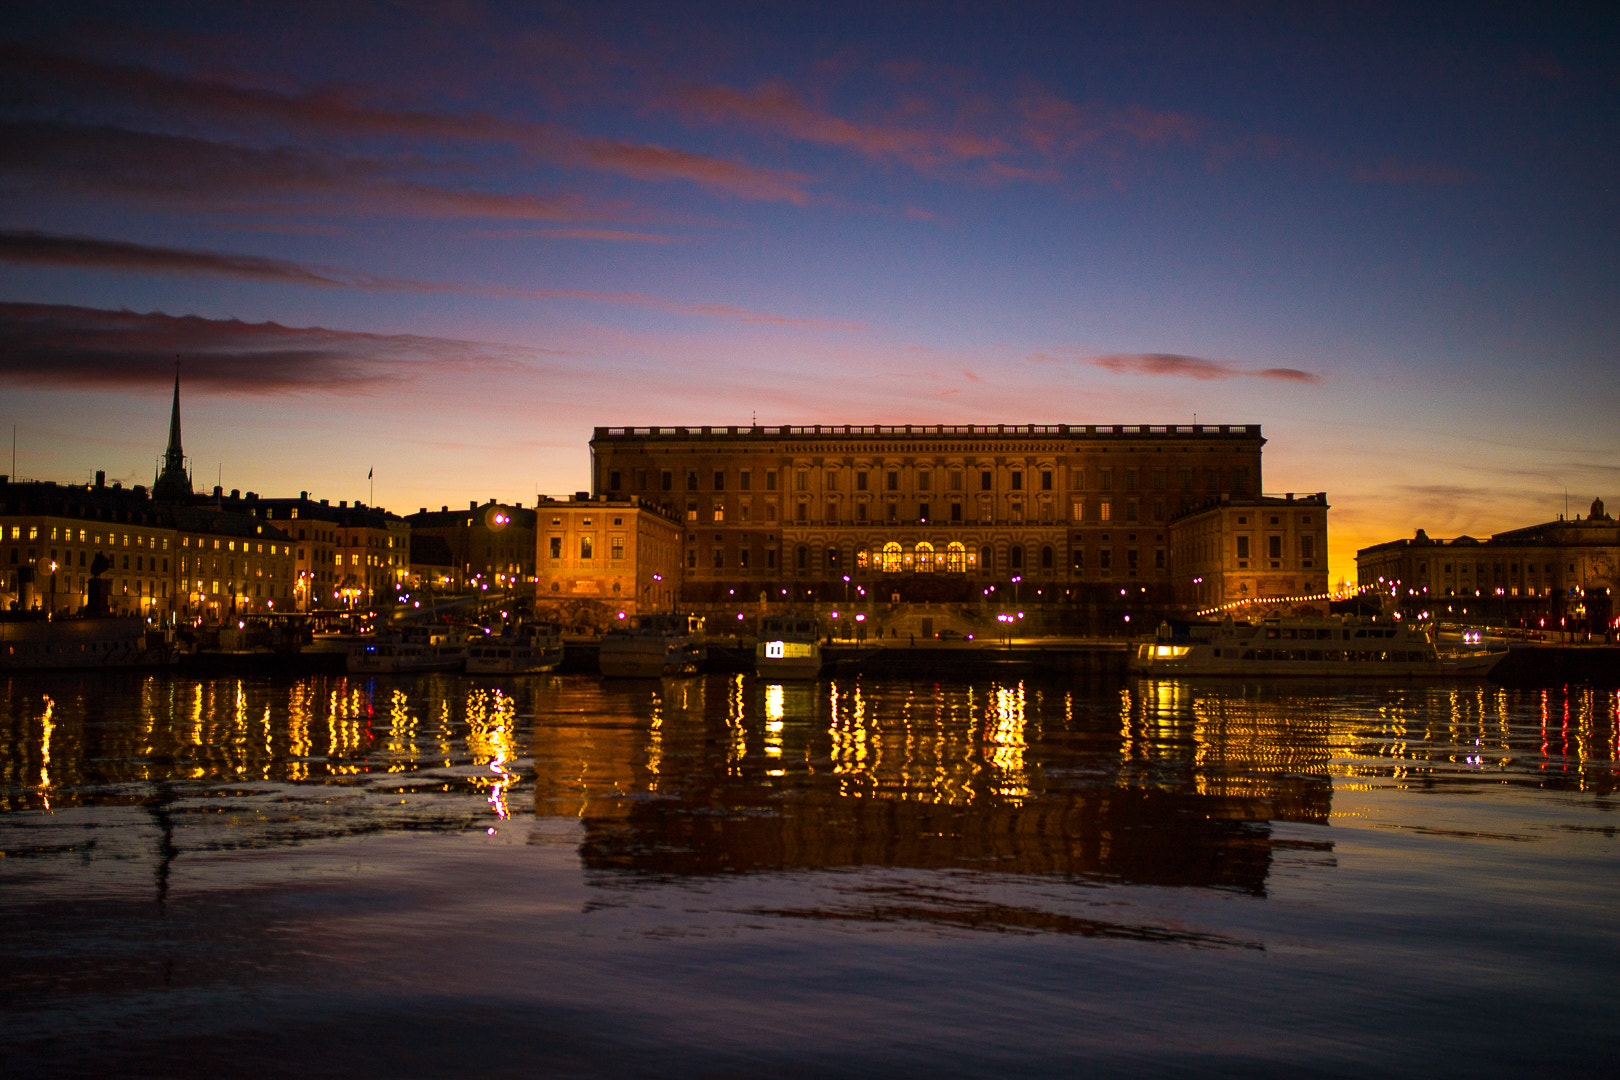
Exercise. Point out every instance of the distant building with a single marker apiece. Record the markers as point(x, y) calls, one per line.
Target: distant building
point(489, 544)
point(348, 556)
point(1256, 556)
point(602, 561)
point(929, 512)
point(1562, 572)
point(157, 558)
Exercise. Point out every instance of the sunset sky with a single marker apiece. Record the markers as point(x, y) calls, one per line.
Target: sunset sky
point(445, 241)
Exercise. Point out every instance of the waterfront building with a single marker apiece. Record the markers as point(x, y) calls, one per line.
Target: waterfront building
point(490, 544)
point(605, 560)
point(61, 543)
point(1560, 573)
point(1075, 518)
point(1254, 556)
point(348, 556)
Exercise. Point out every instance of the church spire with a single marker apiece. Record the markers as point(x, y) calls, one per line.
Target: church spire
point(174, 482)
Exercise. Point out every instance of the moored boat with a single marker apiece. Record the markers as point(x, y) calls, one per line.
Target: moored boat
point(524, 650)
point(657, 645)
point(416, 648)
point(789, 647)
point(1318, 647)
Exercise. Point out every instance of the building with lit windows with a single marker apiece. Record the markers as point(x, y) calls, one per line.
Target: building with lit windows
point(604, 561)
point(1559, 574)
point(348, 556)
point(153, 558)
point(1075, 518)
point(1255, 556)
point(490, 544)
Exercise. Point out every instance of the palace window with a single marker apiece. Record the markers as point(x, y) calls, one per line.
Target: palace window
point(889, 559)
point(1046, 557)
point(1077, 559)
point(925, 558)
point(691, 480)
point(1078, 510)
point(613, 480)
point(863, 560)
point(832, 479)
point(719, 558)
point(1015, 557)
point(956, 512)
point(893, 480)
point(719, 479)
point(745, 480)
point(987, 559)
point(1105, 510)
point(802, 480)
point(860, 480)
point(956, 479)
point(987, 480)
point(1046, 479)
point(925, 480)
point(584, 548)
point(955, 558)
point(831, 516)
point(1017, 480)
point(922, 512)
point(801, 557)
point(770, 480)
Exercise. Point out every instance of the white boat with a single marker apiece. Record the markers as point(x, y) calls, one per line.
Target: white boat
point(81, 643)
point(417, 648)
point(1317, 647)
point(789, 647)
point(525, 650)
point(657, 645)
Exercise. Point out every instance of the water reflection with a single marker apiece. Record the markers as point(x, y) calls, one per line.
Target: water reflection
point(1152, 782)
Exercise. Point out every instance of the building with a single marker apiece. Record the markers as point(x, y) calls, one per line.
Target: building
point(348, 556)
point(489, 545)
point(1560, 573)
point(605, 560)
point(61, 543)
point(935, 513)
point(1256, 556)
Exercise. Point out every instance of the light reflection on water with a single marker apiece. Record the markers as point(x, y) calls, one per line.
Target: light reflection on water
point(647, 849)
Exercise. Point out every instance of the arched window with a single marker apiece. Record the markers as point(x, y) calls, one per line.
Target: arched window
point(1046, 558)
point(833, 560)
point(889, 559)
point(1015, 557)
point(801, 557)
point(925, 558)
point(955, 558)
point(863, 560)
point(987, 560)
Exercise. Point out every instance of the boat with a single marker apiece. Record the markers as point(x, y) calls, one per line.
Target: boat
point(656, 645)
point(91, 642)
point(1323, 647)
point(417, 648)
point(516, 651)
point(789, 647)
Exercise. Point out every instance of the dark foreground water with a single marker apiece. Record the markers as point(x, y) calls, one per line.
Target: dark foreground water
point(715, 877)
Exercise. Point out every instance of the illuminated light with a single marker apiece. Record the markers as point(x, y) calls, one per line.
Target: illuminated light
point(860, 618)
point(774, 650)
point(834, 615)
point(621, 614)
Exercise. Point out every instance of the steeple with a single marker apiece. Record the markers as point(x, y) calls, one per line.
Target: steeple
point(173, 482)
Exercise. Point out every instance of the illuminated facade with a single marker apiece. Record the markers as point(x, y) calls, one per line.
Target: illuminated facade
point(928, 513)
point(1559, 573)
point(601, 557)
point(156, 558)
point(1256, 557)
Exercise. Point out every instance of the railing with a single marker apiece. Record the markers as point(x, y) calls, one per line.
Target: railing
point(930, 431)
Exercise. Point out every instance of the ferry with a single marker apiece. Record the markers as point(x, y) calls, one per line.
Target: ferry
point(416, 648)
point(525, 650)
point(657, 645)
point(1325, 647)
point(94, 642)
point(789, 647)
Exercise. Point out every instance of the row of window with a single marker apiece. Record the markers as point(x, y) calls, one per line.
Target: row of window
point(953, 558)
point(955, 478)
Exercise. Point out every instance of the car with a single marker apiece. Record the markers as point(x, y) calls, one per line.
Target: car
point(948, 635)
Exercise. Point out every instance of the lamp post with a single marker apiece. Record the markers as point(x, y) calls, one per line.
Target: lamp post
point(53, 587)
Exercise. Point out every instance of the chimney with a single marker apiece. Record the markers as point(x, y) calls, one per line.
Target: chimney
point(444, 509)
point(303, 496)
point(472, 504)
point(236, 493)
point(422, 510)
point(343, 504)
point(325, 503)
point(101, 478)
point(218, 491)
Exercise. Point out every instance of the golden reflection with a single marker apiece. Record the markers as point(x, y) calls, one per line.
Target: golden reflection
point(47, 729)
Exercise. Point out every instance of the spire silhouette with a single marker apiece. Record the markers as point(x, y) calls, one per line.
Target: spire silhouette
point(173, 482)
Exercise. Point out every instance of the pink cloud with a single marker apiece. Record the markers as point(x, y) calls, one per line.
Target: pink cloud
point(1175, 365)
point(644, 162)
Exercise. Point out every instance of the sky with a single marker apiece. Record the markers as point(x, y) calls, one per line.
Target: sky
point(442, 242)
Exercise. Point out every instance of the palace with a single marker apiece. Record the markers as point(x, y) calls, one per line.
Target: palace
point(950, 514)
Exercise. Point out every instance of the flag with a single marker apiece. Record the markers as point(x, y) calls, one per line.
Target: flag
point(370, 471)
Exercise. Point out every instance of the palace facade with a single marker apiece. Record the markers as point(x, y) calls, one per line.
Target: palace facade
point(940, 513)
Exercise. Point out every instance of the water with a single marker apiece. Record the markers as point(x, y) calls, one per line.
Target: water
point(710, 877)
